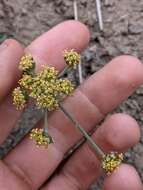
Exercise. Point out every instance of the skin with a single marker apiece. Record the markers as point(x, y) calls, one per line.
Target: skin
point(28, 167)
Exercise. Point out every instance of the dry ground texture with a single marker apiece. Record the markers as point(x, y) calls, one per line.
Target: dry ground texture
point(123, 34)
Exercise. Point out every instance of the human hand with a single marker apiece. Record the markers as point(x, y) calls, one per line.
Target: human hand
point(28, 167)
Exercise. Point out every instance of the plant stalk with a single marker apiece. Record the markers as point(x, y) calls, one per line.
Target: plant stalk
point(82, 130)
point(66, 69)
point(45, 121)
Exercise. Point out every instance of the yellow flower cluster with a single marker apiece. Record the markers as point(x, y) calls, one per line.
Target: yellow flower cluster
point(47, 89)
point(19, 98)
point(112, 161)
point(26, 81)
point(48, 73)
point(40, 138)
point(27, 63)
point(44, 87)
point(65, 86)
point(44, 90)
point(49, 102)
point(72, 58)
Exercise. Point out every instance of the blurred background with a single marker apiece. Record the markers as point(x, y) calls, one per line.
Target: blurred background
point(123, 34)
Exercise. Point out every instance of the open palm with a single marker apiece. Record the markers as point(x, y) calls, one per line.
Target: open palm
point(28, 167)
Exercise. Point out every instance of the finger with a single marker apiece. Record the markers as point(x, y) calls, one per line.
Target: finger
point(10, 53)
point(9, 179)
point(119, 132)
point(47, 49)
point(111, 93)
point(63, 132)
point(125, 178)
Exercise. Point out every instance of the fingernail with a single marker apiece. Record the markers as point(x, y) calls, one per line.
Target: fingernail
point(4, 45)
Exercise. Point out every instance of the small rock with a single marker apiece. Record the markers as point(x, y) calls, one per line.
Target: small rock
point(135, 29)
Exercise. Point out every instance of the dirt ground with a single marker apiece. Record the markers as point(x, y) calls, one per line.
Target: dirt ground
point(123, 34)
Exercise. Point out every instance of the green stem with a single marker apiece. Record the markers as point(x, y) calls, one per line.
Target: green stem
point(85, 134)
point(66, 69)
point(46, 121)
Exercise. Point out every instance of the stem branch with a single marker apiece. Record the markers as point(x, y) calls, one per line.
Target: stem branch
point(46, 121)
point(66, 69)
point(82, 130)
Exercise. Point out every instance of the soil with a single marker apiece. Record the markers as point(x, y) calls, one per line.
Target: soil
point(123, 29)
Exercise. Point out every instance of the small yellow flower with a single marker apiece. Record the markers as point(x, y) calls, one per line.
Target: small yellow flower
point(41, 87)
point(47, 101)
point(44, 83)
point(45, 88)
point(26, 81)
point(65, 86)
point(72, 58)
point(19, 99)
point(48, 73)
point(40, 138)
point(112, 161)
point(27, 63)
